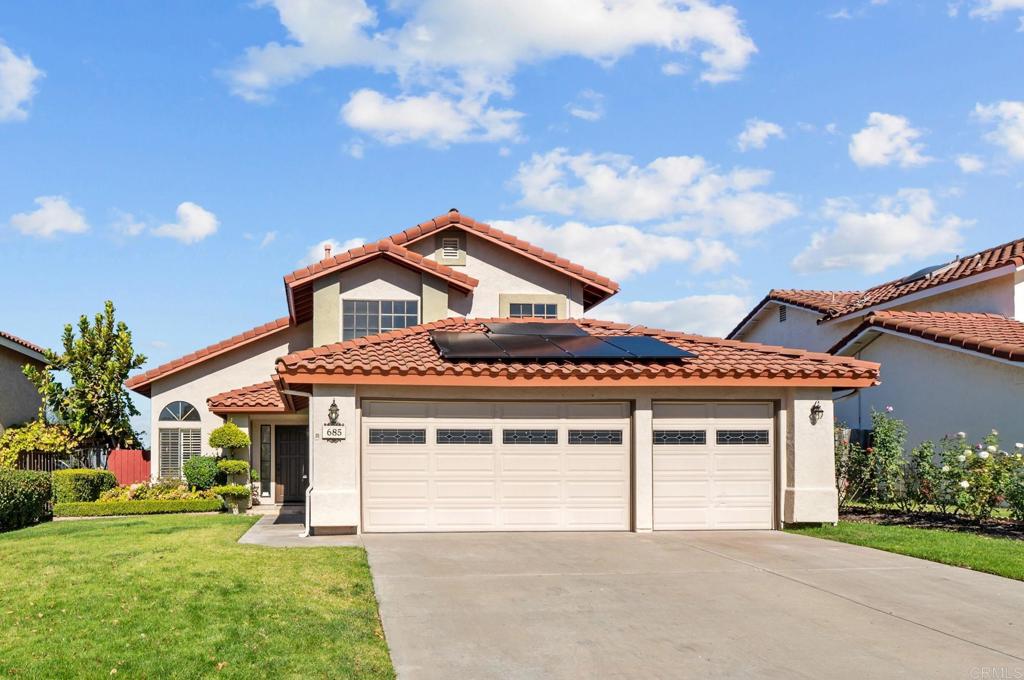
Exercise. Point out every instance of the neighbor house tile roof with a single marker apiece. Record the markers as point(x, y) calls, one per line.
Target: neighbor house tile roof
point(142, 383)
point(990, 334)
point(596, 287)
point(261, 398)
point(409, 356)
point(836, 304)
point(299, 284)
point(22, 344)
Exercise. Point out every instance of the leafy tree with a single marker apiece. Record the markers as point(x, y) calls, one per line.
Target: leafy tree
point(95, 407)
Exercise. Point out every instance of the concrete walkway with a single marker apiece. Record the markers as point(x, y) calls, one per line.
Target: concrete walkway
point(282, 528)
point(677, 605)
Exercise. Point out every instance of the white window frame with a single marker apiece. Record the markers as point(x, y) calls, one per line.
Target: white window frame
point(176, 445)
point(380, 315)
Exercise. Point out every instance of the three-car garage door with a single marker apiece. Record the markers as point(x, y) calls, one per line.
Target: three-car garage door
point(495, 466)
point(713, 465)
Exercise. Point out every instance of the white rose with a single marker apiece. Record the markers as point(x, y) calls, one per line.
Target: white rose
point(967, 452)
point(961, 458)
point(992, 449)
point(965, 484)
point(1019, 445)
point(995, 432)
point(945, 468)
point(983, 455)
point(962, 435)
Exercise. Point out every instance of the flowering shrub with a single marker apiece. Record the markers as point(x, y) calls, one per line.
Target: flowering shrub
point(161, 490)
point(853, 466)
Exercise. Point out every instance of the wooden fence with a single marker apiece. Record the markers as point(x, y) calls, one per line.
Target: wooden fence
point(128, 465)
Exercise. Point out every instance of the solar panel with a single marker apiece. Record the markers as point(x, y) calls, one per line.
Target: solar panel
point(590, 347)
point(646, 347)
point(528, 347)
point(454, 345)
point(550, 330)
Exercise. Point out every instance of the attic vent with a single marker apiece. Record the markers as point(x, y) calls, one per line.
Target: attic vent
point(450, 248)
point(782, 313)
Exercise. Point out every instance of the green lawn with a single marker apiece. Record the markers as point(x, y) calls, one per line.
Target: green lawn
point(176, 597)
point(1001, 556)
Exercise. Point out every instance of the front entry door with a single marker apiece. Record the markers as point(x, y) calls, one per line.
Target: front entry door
point(292, 469)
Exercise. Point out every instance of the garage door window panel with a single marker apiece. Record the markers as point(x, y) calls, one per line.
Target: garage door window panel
point(398, 436)
point(680, 437)
point(455, 436)
point(741, 437)
point(599, 437)
point(529, 437)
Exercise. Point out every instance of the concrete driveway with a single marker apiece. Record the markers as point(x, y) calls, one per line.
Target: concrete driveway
point(676, 605)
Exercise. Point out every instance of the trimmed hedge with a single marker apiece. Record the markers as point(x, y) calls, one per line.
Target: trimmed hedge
point(201, 472)
point(80, 485)
point(24, 496)
point(109, 508)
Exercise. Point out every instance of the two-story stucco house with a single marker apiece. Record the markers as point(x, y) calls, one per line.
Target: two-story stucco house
point(445, 379)
point(19, 398)
point(949, 338)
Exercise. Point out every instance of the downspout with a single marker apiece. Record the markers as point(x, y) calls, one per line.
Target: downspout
point(309, 488)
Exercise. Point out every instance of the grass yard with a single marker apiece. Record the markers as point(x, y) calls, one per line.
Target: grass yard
point(176, 597)
point(1000, 556)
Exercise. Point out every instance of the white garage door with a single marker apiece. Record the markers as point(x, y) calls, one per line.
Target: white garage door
point(713, 465)
point(483, 466)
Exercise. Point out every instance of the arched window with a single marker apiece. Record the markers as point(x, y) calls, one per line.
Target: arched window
point(178, 443)
point(179, 411)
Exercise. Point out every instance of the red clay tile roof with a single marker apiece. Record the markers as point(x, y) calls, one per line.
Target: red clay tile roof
point(299, 284)
point(261, 398)
point(596, 287)
point(142, 383)
point(1011, 253)
point(991, 334)
point(22, 343)
point(822, 301)
point(408, 356)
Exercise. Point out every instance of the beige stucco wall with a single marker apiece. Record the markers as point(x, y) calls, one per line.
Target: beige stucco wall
point(19, 399)
point(800, 330)
point(501, 271)
point(938, 391)
point(247, 365)
point(805, 488)
point(994, 296)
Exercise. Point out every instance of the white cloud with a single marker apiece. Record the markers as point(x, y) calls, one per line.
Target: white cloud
point(969, 164)
point(683, 191)
point(619, 251)
point(887, 139)
point(757, 133)
point(993, 9)
point(53, 216)
point(268, 238)
point(126, 224)
point(904, 226)
point(451, 57)
point(1008, 119)
point(588, 106)
point(714, 314)
point(841, 13)
point(316, 251)
point(673, 68)
point(18, 76)
point(435, 118)
point(194, 224)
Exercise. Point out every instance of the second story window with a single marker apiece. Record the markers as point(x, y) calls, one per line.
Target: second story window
point(539, 310)
point(370, 317)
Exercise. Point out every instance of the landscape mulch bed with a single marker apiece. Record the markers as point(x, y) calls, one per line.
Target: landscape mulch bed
point(998, 528)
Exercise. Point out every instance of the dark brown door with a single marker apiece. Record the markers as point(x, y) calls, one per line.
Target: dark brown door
point(291, 448)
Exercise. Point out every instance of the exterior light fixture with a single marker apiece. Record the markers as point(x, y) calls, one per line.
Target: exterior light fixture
point(816, 413)
point(332, 413)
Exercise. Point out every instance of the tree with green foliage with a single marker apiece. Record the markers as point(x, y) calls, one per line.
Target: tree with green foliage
point(95, 406)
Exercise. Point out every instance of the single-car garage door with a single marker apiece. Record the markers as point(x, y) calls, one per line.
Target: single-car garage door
point(495, 466)
point(713, 465)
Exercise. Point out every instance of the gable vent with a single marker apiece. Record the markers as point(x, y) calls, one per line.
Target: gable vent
point(450, 248)
point(782, 313)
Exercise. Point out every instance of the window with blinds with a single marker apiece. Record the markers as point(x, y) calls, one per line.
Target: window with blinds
point(176, 446)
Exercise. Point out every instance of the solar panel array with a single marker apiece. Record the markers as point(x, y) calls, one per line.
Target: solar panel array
point(550, 342)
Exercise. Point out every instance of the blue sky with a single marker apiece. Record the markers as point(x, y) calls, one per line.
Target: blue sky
point(180, 158)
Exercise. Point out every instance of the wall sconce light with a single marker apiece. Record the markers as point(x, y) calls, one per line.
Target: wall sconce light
point(816, 413)
point(332, 413)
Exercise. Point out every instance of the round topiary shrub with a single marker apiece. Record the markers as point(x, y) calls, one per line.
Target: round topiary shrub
point(201, 472)
point(231, 466)
point(228, 437)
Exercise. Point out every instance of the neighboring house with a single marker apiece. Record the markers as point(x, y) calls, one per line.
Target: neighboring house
point(19, 399)
point(444, 379)
point(950, 340)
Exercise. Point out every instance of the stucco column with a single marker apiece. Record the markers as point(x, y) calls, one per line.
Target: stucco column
point(643, 470)
point(326, 310)
point(334, 471)
point(810, 459)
